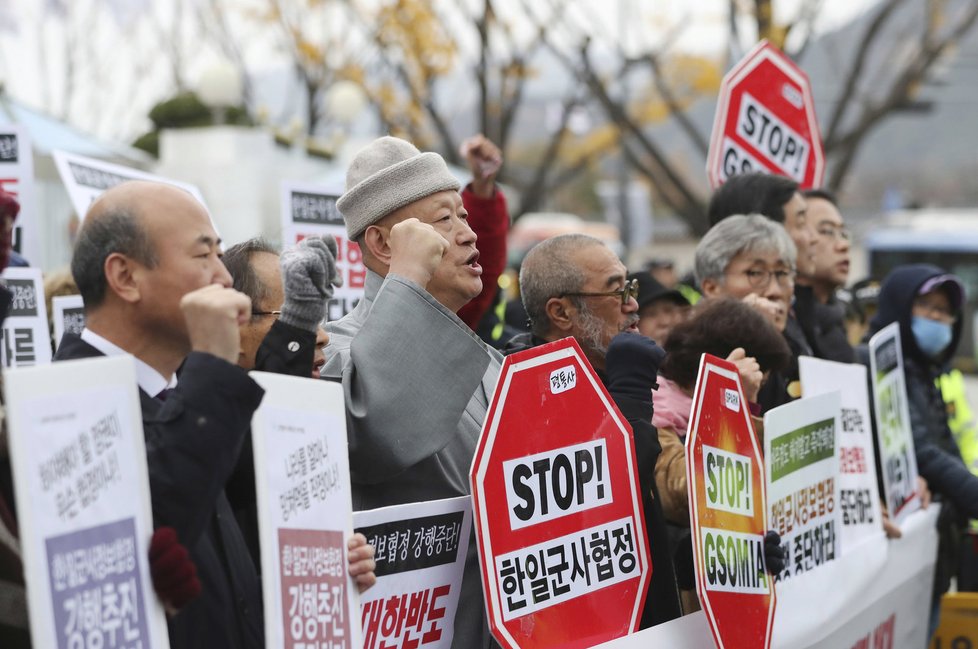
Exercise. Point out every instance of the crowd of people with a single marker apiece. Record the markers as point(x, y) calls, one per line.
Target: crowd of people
point(418, 379)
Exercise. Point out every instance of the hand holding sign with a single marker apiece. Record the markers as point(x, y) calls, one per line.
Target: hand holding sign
point(750, 372)
point(361, 560)
point(416, 250)
point(213, 314)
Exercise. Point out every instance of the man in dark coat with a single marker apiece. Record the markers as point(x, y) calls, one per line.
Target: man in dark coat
point(926, 301)
point(574, 285)
point(147, 264)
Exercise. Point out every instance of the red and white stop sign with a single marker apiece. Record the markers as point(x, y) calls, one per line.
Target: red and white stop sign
point(557, 504)
point(765, 121)
point(728, 510)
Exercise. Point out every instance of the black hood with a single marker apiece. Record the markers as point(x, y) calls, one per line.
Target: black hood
point(896, 298)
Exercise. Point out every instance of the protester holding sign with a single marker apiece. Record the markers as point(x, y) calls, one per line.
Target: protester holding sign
point(147, 264)
point(416, 378)
point(926, 301)
point(753, 259)
point(574, 285)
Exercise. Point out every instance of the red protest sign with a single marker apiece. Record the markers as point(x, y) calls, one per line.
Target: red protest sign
point(727, 504)
point(765, 121)
point(558, 508)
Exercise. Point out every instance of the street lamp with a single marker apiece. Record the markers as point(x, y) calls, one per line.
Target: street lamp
point(220, 87)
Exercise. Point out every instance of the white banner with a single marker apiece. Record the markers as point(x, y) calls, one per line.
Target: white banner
point(302, 478)
point(25, 338)
point(893, 432)
point(420, 553)
point(877, 595)
point(68, 316)
point(859, 497)
point(17, 178)
point(801, 457)
point(86, 179)
point(310, 211)
point(82, 489)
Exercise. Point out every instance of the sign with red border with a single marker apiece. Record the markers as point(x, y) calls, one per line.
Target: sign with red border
point(557, 504)
point(765, 121)
point(727, 504)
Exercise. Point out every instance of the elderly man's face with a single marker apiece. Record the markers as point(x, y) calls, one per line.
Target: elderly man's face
point(761, 274)
point(188, 257)
point(269, 273)
point(604, 316)
point(458, 278)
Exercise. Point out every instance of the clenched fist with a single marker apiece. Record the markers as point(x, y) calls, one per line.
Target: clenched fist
point(213, 315)
point(416, 250)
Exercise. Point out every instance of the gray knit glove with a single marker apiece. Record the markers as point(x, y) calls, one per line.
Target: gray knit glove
point(309, 274)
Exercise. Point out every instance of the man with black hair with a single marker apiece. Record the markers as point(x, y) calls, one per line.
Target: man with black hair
point(824, 324)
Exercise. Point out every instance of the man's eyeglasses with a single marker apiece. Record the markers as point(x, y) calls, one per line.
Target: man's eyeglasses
point(274, 313)
point(759, 279)
point(627, 292)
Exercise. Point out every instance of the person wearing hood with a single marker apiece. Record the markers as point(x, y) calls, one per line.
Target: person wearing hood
point(926, 301)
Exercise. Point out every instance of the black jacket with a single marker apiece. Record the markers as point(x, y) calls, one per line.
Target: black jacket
point(938, 458)
point(823, 325)
point(284, 350)
point(662, 601)
point(192, 443)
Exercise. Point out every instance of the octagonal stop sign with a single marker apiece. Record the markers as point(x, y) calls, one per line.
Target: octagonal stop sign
point(727, 505)
point(557, 504)
point(765, 121)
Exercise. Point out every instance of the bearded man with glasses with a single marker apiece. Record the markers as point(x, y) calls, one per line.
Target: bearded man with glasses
point(574, 285)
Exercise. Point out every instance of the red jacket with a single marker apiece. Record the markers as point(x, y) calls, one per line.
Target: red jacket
point(489, 218)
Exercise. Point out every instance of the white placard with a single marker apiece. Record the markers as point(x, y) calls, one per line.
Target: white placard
point(302, 478)
point(894, 434)
point(24, 339)
point(17, 178)
point(859, 496)
point(68, 316)
point(878, 595)
point(801, 462)
point(82, 490)
point(86, 179)
point(420, 553)
point(310, 210)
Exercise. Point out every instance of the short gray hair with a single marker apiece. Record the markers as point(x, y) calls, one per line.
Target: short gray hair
point(237, 259)
point(735, 235)
point(548, 271)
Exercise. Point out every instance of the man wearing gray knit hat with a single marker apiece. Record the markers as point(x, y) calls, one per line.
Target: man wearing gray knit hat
point(417, 380)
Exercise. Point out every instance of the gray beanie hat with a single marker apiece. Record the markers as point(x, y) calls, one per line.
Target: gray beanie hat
point(388, 174)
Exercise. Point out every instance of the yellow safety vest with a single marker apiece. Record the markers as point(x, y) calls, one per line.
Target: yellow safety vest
point(962, 422)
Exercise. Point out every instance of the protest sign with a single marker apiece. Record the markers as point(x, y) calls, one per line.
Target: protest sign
point(727, 504)
point(82, 489)
point(801, 452)
point(559, 519)
point(420, 554)
point(893, 431)
point(17, 179)
point(309, 211)
point(25, 331)
point(302, 479)
point(765, 121)
point(875, 597)
point(86, 179)
point(859, 497)
point(68, 316)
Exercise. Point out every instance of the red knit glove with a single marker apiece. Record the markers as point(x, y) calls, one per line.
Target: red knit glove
point(174, 574)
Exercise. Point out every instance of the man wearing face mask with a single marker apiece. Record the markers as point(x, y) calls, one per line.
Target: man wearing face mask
point(926, 301)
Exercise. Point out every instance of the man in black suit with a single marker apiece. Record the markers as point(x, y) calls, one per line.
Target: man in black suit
point(148, 267)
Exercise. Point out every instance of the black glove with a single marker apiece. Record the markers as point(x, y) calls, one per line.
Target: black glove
point(773, 553)
point(632, 364)
point(309, 274)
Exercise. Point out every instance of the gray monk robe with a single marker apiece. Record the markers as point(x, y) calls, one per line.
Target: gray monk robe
point(417, 383)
